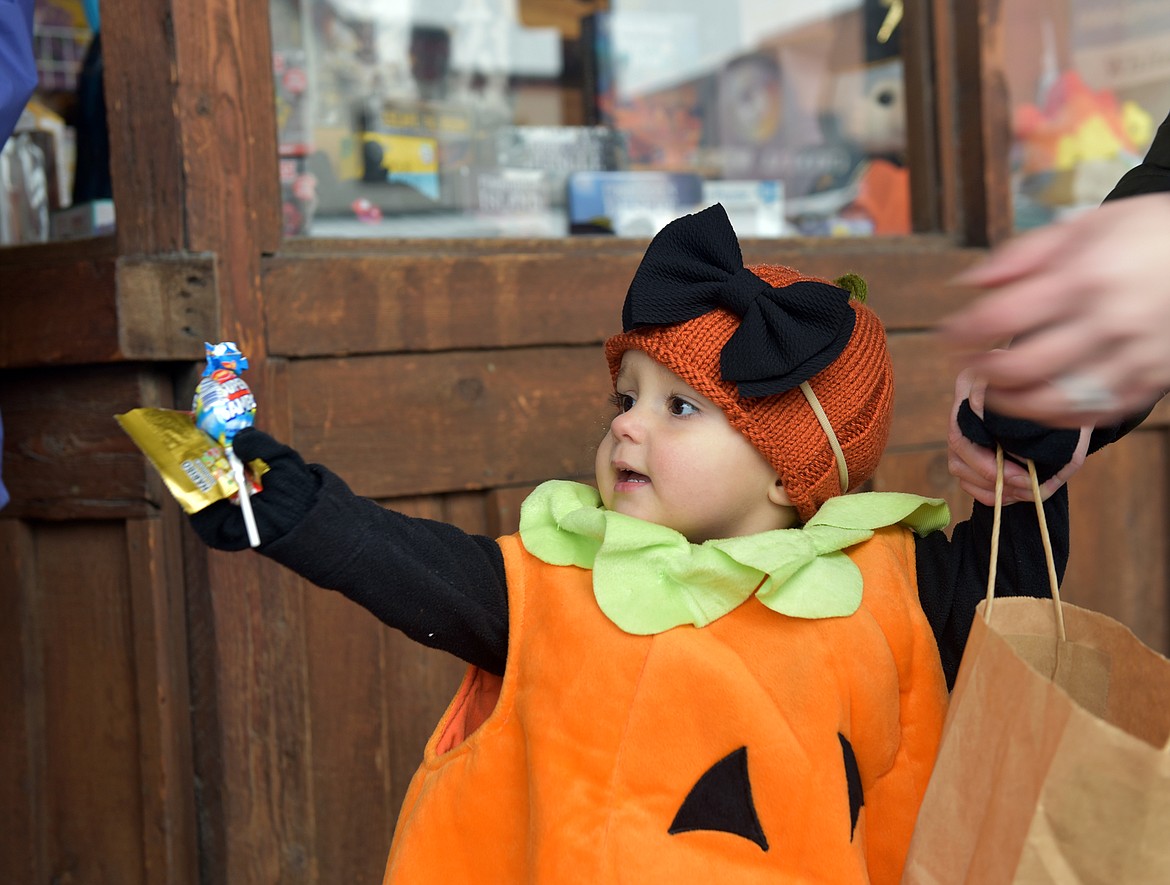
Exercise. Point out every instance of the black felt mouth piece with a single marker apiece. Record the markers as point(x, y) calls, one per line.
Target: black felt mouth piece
point(722, 800)
point(853, 782)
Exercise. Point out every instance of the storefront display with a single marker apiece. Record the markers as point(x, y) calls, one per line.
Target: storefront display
point(438, 122)
point(1087, 93)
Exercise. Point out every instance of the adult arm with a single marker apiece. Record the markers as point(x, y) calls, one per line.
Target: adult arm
point(1152, 175)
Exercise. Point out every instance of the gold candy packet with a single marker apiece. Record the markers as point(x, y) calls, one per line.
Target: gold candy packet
point(193, 466)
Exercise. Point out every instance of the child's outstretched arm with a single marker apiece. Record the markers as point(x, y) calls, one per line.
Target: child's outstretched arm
point(437, 584)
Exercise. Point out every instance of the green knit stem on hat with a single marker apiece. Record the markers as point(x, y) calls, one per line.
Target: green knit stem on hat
point(855, 285)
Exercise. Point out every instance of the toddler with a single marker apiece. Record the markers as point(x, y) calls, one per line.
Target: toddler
point(716, 666)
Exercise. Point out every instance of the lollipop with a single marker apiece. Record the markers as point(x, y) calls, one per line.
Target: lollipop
point(224, 406)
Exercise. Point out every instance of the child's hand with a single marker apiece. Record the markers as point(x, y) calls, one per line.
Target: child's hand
point(289, 492)
point(974, 465)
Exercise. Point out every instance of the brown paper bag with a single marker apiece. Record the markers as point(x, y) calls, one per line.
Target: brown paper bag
point(1054, 765)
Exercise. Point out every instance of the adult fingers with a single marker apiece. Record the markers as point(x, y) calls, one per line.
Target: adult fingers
point(1046, 354)
point(1047, 404)
point(1018, 257)
point(1018, 309)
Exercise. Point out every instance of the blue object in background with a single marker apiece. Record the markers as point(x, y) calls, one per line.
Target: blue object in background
point(3, 491)
point(18, 79)
point(92, 15)
point(18, 69)
point(634, 203)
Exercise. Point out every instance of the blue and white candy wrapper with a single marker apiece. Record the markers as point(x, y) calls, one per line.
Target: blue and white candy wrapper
point(223, 406)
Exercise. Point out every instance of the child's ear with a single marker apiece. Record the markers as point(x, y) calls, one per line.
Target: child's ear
point(778, 496)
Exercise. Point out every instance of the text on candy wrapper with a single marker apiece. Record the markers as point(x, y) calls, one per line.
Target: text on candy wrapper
point(199, 474)
point(235, 388)
point(234, 407)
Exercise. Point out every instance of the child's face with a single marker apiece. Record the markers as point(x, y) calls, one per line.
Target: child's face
point(671, 457)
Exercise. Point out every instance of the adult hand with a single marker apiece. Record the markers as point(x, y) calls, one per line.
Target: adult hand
point(1086, 306)
point(973, 465)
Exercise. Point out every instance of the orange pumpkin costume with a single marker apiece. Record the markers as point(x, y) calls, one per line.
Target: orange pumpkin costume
point(731, 741)
point(590, 766)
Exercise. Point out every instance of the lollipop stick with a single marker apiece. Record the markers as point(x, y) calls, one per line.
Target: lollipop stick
point(245, 498)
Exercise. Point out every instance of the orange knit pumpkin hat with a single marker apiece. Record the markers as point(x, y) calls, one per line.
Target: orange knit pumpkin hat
point(798, 364)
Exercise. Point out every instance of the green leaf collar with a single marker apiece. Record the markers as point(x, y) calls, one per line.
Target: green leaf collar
point(649, 578)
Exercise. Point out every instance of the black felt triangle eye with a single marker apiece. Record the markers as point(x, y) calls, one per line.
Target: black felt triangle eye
point(722, 800)
point(853, 782)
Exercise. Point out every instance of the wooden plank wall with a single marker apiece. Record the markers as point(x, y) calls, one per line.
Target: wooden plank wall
point(96, 779)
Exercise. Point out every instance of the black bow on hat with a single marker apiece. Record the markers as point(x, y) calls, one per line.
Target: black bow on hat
point(786, 334)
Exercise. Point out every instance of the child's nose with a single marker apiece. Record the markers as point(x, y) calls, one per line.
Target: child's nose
point(628, 424)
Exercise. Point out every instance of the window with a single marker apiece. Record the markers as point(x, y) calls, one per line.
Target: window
point(551, 118)
point(1089, 83)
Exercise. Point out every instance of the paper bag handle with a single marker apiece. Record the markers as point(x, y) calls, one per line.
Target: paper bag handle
point(1053, 583)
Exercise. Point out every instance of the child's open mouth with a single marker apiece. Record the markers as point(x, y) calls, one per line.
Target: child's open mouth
point(629, 476)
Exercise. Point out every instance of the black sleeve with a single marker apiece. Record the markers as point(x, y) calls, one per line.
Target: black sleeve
point(437, 584)
point(1152, 175)
point(952, 573)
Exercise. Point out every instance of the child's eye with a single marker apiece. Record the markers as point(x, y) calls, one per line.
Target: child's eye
point(680, 407)
point(623, 402)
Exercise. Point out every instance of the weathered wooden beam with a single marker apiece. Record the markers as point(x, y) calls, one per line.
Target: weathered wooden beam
point(65, 457)
point(64, 311)
point(167, 307)
point(192, 126)
point(355, 303)
point(155, 589)
point(59, 313)
point(425, 423)
point(983, 118)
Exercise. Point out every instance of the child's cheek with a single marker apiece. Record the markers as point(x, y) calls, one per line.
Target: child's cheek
point(603, 473)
